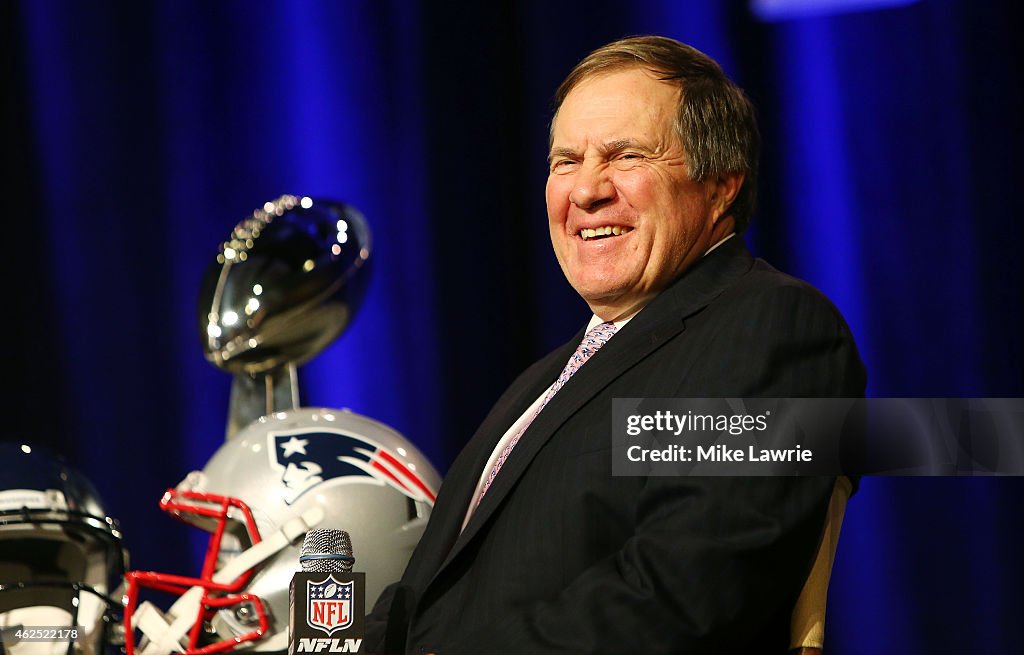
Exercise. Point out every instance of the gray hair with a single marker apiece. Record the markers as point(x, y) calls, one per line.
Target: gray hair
point(715, 123)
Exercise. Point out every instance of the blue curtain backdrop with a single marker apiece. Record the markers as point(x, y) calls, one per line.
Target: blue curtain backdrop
point(136, 134)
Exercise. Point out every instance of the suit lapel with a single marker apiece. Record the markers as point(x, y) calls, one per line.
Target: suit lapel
point(618, 355)
point(459, 485)
point(655, 325)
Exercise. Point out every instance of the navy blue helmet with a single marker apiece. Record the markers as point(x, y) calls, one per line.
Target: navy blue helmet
point(61, 556)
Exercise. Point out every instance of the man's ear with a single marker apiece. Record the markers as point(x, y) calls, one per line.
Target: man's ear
point(724, 189)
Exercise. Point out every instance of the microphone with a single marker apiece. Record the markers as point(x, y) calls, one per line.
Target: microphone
point(326, 551)
point(326, 600)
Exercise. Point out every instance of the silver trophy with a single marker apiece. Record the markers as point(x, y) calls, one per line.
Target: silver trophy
point(282, 287)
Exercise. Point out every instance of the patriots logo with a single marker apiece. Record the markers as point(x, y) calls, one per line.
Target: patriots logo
point(309, 459)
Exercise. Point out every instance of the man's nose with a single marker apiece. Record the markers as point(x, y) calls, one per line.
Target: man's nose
point(593, 186)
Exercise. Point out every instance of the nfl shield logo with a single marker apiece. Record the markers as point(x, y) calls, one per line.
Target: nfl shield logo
point(329, 604)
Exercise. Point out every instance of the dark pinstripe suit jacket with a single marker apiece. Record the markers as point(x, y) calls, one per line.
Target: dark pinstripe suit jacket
point(561, 557)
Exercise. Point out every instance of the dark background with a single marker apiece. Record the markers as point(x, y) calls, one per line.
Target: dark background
point(137, 134)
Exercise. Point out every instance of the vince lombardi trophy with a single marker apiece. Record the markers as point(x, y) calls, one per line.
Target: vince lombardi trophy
point(282, 288)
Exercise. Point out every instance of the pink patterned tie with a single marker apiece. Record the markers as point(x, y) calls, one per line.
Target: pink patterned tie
point(592, 342)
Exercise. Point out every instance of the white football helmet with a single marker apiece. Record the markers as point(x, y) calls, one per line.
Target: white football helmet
point(61, 557)
point(257, 496)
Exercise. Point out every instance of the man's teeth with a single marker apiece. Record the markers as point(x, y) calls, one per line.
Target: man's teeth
point(607, 230)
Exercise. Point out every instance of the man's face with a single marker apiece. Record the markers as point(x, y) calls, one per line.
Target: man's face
point(618, 167)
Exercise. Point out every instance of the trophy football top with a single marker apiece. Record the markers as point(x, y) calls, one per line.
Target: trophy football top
point(284, 285)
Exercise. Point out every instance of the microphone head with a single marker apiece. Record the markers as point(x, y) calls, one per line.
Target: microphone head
point(326, 551)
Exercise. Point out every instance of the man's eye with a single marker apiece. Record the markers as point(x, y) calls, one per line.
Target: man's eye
point(631, 156)
point(561, 164)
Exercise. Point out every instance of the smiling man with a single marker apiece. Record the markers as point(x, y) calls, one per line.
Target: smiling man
point(533, 546)
point(625, 214)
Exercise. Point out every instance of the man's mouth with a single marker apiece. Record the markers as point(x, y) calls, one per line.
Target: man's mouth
point(603, 231)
